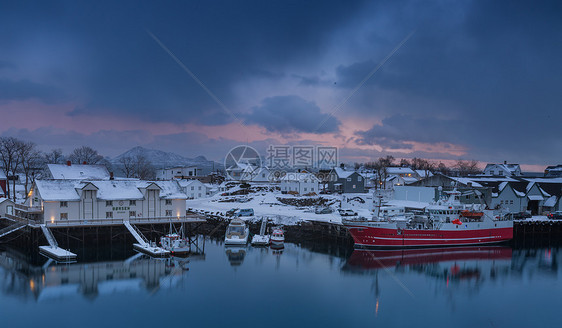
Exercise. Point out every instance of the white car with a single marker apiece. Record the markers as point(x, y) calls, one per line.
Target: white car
point(347, 212)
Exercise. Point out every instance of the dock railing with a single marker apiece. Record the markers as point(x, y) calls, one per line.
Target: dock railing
point(121, 221)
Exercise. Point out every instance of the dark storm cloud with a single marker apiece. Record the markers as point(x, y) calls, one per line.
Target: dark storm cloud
point(289, 114)
point(486, 77)
point(26, 90)
point(123, 70)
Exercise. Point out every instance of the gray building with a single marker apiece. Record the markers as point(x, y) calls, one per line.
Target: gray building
point(342, 181)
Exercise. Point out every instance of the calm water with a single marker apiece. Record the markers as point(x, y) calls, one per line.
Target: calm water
point(293, 287)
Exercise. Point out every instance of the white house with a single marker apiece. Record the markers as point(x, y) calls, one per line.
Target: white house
point(504, 169)
point(6, 207)
point(509, 198)
point(194, 189)
point(107, 199)
point(301, 183)
point(70, 171)
point(179, 172)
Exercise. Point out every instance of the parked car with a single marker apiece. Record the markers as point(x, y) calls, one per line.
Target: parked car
point(347, 212)
point(555, 216)
point(521, 215)
point(244, 212)
point(323, 210)
point(231, 211)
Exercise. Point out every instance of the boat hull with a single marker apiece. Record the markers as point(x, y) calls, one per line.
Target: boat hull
point(368, 236)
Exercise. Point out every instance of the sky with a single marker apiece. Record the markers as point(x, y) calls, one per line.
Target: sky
point(442, 80)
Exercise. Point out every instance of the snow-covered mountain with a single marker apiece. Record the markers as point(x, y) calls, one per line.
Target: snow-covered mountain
point(161, 159)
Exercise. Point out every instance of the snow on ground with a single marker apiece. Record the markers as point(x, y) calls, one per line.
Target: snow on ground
point(266, 204)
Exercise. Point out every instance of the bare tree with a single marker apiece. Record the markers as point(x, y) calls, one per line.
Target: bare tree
point(385, 162)
point(138, 167)
point(9, 157)
point(467, 167)
point(85, 154)
point(144, 169)
point(404, 162)
point(443, 169)
point(55, 156)
point(31, 162)
point(128, 166)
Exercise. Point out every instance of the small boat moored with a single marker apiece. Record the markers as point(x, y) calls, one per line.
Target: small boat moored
point(237, 233)
point(175, 243)
point(277, 236)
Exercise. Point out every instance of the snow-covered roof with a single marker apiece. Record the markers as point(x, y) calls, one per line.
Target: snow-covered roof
point(535, 197)
point(399, 170)
point(69, 190)
point(78, 171)
point(512, 168)
point(188, 182)
point(466, 181)
point(118, 189)
point(58, 190)
point(424, 173)
point(342, 173)
point(502, 185)
point(550, 202)
point(409, 179)
point(170, 190)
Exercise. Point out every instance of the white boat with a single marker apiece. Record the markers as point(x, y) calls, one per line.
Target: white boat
point(262, 239)
point(175, 243)
point(237, 233)
point(277, 236)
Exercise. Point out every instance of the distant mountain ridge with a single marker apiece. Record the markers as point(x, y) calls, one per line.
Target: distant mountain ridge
point(161, 159)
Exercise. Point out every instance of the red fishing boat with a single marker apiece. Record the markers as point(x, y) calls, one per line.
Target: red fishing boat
point(442, 224)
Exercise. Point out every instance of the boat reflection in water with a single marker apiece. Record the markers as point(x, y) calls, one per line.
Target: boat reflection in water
point(136, 274)
point(235, 254)
point(378, 259)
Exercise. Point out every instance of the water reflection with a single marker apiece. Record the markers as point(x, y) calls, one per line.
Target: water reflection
point(138, 273)
point(235, 255)
point(468, 267)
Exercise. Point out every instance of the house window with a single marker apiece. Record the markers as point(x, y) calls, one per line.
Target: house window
point(358, 178)
point(63, 204)
point(353, 187)
point(305, 189)
point(64, 216)
point(192, 188)
point(168, 202)
point(132, 203)
point(108, 215)
point(312, 189)
point(199, 194)
point(199, 188)
point(108, 203)
point(511, 202)
point(348, 179)
point(168, 212)
point(132, 214)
